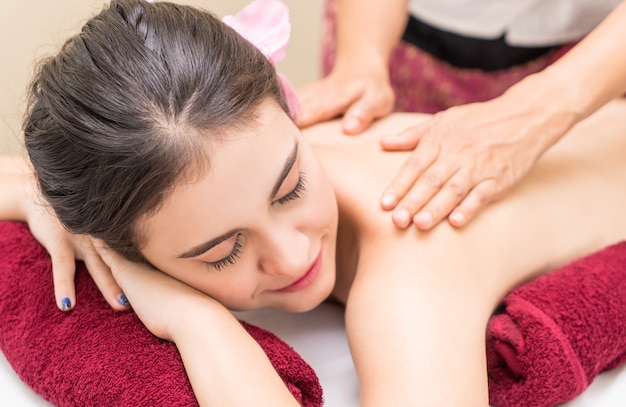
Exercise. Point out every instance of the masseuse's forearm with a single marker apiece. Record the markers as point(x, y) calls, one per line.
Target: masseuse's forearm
point(369, 29)
point(594, 71)
point(226, 366)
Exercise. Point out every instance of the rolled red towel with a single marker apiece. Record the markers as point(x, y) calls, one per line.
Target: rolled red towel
point(93, 355)
point(554, 335)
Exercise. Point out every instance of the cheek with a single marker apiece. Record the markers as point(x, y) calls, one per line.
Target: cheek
point(322, 204)
point(233, 286)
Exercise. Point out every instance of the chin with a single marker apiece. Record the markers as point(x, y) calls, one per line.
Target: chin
point(314, 296)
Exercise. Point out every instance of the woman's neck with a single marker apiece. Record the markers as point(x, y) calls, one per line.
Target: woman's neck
point(346, 259)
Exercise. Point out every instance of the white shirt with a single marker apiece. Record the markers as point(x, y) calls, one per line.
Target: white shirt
point(529, 23)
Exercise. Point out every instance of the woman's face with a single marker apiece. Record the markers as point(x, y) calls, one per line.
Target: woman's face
point(259, 229)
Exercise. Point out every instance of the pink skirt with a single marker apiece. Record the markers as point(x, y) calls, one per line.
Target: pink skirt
point(423, 83)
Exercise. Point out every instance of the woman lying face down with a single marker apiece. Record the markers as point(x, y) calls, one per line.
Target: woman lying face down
point(163, 133)
point(175, 145)
point(258, 229)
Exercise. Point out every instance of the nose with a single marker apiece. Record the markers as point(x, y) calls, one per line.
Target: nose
point(285, 252)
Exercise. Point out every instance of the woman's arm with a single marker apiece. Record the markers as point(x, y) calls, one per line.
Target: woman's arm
point(225, 365)
point(19, 201)
point(358, 86)
point(14, 165)
point(13, 195)
point(471, 155)
point(417, 311)
point(14, 178)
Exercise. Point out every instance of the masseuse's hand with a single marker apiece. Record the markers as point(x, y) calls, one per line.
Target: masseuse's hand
point(468, 156)
point(64, 249)
point(359, 92)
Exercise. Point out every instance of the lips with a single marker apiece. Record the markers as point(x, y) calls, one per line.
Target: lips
point(307, 279)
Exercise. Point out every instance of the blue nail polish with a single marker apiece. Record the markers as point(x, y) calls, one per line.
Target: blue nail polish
point(122, 300)
point(66, 304)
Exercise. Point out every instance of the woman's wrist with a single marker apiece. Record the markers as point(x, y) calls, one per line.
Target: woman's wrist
point(198, 315)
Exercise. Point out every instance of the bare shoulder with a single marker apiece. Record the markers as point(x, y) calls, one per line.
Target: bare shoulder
point(571, 202)
point(358, 167)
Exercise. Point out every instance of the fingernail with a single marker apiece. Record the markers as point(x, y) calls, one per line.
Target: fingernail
point(352, 123)
point(423, 219)
point(389, 199)
point(402, 215)
point(457, 218)
point(122, 300)
point(66, 304)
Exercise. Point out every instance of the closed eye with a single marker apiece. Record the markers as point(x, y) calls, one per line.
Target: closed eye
point(295, 193)
point(231, 258)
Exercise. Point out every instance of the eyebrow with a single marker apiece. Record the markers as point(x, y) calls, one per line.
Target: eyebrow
point(291, 160)
point(204, 247)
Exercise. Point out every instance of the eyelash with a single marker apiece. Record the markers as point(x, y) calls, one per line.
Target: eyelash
point(236, 252)
point(231, 258)
point(295, 193)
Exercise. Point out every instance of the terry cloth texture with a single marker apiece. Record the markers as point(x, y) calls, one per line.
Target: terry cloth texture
point(93, 355)
point(555, 334)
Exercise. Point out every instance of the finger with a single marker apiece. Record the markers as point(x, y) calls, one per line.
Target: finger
point(364, 111)
point(114, 261)
point(357, 118)
point(125, 272)
point(405, 140)
point(319, 113)
point(412, 169)
point(477, 198)
point(322, 106)
point(63, 270)
point(428, 185)
point(443, 201)
point(102, 276)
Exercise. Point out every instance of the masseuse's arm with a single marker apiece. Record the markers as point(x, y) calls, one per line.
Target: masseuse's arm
point(468, 156)
point(226, 367)
point(20, 202)
point(358, 86)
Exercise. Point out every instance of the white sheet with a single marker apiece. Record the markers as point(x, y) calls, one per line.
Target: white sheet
point(319, 336)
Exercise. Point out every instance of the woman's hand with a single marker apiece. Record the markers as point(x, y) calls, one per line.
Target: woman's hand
point(64, 249)
point(157, 299)
point(468, 156)
point(218, 354)
point(361, 93)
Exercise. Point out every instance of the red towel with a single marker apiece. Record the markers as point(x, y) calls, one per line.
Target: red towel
point(93, 355)
point(555, 334)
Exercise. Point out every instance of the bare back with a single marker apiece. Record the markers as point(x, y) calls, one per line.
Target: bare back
point(570, 204)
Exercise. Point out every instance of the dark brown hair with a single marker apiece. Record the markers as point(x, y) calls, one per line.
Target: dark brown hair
point(114, 119)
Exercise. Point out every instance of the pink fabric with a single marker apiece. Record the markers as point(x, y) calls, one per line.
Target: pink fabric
point(265, 24)
point(426, 84)
point(95, 356)
point(557, 333)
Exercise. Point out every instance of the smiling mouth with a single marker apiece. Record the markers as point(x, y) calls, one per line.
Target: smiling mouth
point(307, 279)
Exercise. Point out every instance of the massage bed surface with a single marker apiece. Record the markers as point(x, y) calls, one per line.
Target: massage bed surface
point(319, 337)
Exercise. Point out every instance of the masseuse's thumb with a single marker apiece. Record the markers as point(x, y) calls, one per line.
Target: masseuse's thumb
point(361, 114)
point(405, 140)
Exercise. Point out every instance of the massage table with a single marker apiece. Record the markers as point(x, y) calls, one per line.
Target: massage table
point(319, 337)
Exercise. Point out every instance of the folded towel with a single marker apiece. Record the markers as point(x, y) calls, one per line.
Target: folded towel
point(553, 335)
point(93, 355)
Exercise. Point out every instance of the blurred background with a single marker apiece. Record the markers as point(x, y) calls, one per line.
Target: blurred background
point(32, 29)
